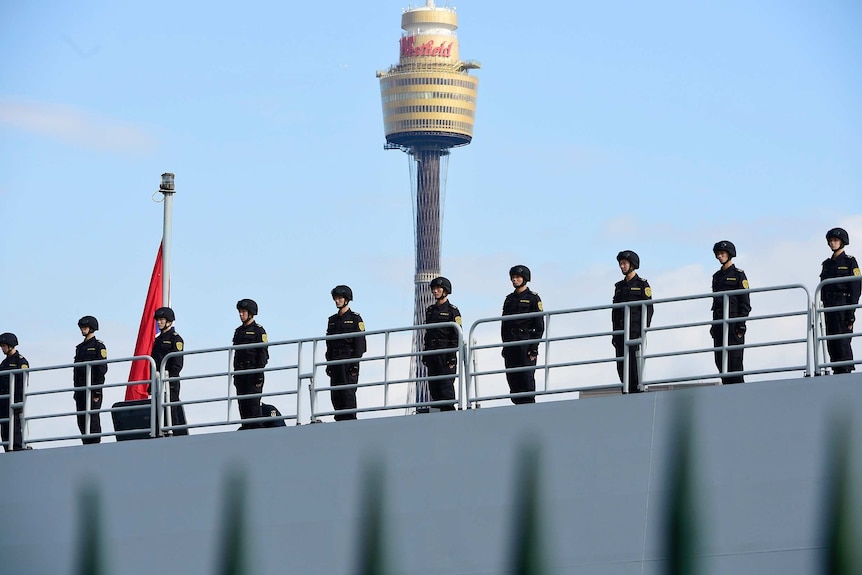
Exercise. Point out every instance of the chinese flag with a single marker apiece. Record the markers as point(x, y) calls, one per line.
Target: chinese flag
point(140, 370)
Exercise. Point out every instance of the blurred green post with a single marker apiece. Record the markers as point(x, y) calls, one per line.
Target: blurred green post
point(90, 529)
point(680, 531)
point(527, 557)
point(371, 549)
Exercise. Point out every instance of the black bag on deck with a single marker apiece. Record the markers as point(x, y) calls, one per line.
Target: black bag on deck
point(135, 416)
point(267, 410)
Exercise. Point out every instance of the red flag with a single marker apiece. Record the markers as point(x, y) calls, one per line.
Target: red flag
point(140, 370)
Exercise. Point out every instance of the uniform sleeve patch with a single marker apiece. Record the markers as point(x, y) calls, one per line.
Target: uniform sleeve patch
point(179, 346)
point(24, 366)
point(648, 291)
point(264, 339)
point(361, 326)
point(458, 320)
point(104, 353)
point(856, 272)
point(541, 308)
point(745, 284)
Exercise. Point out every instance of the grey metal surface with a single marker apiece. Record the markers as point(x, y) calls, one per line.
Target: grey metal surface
point(759, 449)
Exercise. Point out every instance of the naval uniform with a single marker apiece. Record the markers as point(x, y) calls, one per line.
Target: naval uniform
point(10, 362)
point(636, 289)
point(347, 348)
point(89, 350)
point(245, 359)
point(444, 363)
point(739, 305)
point(843, 293)
point(524, 355)
point(167, 342)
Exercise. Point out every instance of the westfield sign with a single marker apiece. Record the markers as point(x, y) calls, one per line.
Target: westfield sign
point(409, 48)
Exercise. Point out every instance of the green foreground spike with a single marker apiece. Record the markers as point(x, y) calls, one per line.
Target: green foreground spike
point(233, 545)
point(680, 531)
point(527, 558)
point(90, 543)
point(371, 550)
point(838, 506)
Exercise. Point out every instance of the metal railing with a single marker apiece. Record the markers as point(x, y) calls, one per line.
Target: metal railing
point(304, 369)
point(800, 336)
point(819, 311)
point(32, 410)
point(785, 335)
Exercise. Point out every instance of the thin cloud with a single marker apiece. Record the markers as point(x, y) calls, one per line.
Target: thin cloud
point(75, 126)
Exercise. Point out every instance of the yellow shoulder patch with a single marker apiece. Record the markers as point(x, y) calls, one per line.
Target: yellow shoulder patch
point(24, 366)
point(458, 320)
point(264, 339)
point(856, 272)
point(648, 291)
point(104, 353)
point(541, 308)
point(361, 326)
point(179, 346)
point(744, 284)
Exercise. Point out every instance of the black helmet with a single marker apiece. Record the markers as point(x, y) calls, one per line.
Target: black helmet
point(631, 257)
point(342, 291)
point(443, 283)
point(839, 233)
point(166, 313)
point(725, 246)
point(9, 339)
point(89, 321)
point(248, 305)
point(522, 271)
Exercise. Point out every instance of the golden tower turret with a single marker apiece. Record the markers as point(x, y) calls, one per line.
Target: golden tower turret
point(429, 97)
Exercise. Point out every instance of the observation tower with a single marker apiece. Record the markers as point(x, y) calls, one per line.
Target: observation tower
point(429, 106)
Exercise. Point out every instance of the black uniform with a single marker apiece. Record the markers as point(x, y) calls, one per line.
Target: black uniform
point(14, 361)
point(844, 293)
point(444, 363)
point(166, 342)
point(636, 289)
point(253, 358)
point(739, 305)
point(89, 350)
point(517, 330)
point(345, 373)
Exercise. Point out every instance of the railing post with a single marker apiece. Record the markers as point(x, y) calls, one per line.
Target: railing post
point(87, 392)
point(626, 343)
point(23, 415)
point(157, 401)
point(811, 345)
point(641, 348)
point(230, 354)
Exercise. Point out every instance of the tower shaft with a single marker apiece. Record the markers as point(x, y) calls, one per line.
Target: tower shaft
point(429, 105)
point(427, 236)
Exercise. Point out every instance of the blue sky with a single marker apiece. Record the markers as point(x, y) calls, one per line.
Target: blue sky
point(658, 127)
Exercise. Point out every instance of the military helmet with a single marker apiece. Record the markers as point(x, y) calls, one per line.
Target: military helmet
point(342, 291)
point(443, 283)
point(520, 270)
point(90, 322)
point(631, 257)
point(9, 339)
point(839, 233)
point(725, 246)
point(248, 305)
point(166, 313)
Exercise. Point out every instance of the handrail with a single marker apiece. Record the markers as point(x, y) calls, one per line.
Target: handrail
point(575, 358)
point(88, 388)
point(820, 338)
